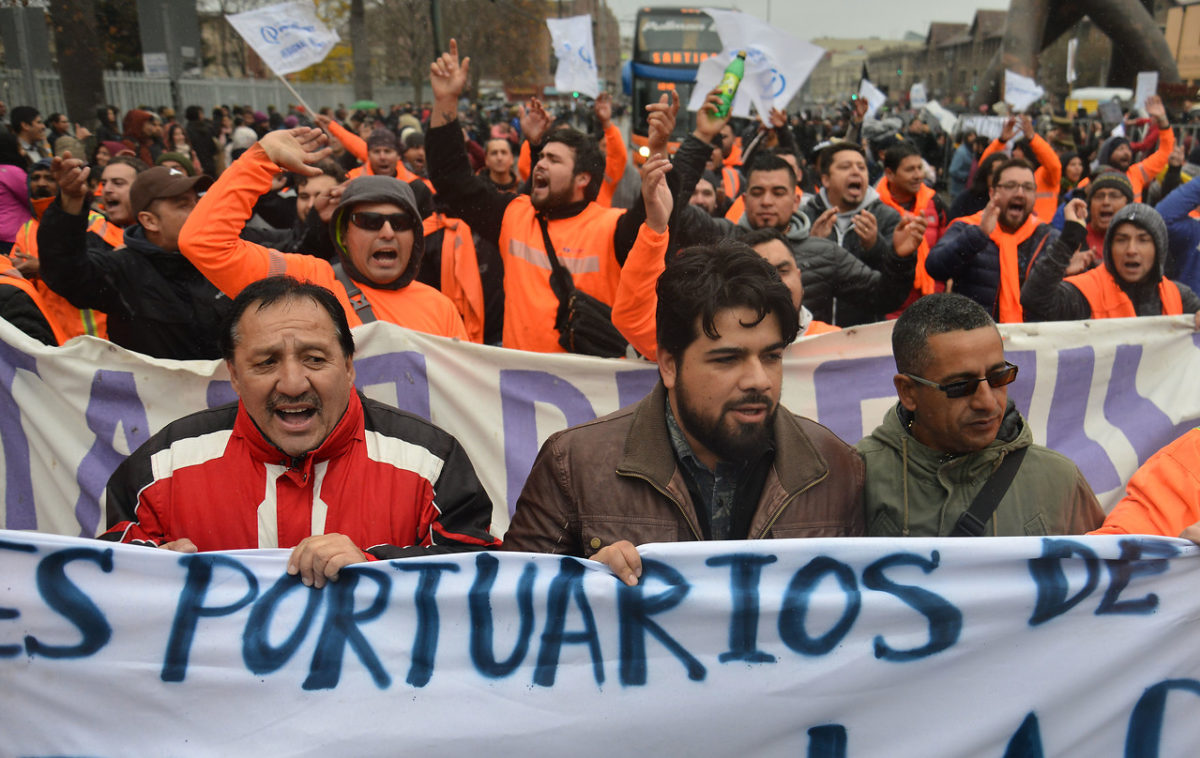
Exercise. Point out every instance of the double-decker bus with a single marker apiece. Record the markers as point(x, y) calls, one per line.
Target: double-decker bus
point(668, 45)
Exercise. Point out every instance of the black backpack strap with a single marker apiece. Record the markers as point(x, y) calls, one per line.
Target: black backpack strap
point(358, 300)
point(560, 279)
point(975, 518)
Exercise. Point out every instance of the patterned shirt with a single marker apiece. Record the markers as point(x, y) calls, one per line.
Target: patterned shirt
point(717, 490)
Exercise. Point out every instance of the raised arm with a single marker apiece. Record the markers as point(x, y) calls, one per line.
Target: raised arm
point(1157, 160)
point(635, 305)
point(68, 263)
point(466, 195)
point(210, 238)
point(354, 144)
point(1045, 296)
point(1008, 131)
point(1049, 174)
point(616, 155)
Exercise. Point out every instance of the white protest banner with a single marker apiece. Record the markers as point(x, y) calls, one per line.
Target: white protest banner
point(1072, 647)
point(1147, 85)
point(1020, 91)
point(288, 36)
point(1072, 46)
point(916, 95)
point(874, 97)
point(1107, 394)
point(777, 64)
point(985, 126)
point(576, 70)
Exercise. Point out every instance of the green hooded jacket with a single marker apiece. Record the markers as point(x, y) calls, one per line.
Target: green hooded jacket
point(914, 491)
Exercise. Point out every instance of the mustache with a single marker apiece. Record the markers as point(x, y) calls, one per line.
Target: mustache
point(751, 398)
point(308, 398)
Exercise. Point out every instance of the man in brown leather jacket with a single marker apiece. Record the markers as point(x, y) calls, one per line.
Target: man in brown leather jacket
point(708, 454)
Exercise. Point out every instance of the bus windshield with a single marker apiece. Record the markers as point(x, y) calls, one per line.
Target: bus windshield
point(668, 45)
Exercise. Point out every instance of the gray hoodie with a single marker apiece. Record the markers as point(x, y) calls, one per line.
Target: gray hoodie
point(377, 189)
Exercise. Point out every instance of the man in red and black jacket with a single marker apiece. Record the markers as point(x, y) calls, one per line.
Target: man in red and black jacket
point(302, 460)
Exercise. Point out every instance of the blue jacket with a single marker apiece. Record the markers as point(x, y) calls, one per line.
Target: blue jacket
point(1183, 232)
point(960, 169)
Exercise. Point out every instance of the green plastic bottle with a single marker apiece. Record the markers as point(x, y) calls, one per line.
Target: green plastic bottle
point(730, 81)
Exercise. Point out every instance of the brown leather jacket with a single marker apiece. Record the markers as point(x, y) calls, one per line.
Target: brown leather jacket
point(616, 478)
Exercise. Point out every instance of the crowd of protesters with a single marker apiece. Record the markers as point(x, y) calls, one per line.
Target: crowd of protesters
point(507, 226)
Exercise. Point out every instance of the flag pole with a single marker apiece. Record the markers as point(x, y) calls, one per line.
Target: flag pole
point(308, 108)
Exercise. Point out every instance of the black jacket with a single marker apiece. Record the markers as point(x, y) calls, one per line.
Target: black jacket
point(827, 270)
point(19, 309)
point(1046, 297)
point(877, 257)
point(157, 302)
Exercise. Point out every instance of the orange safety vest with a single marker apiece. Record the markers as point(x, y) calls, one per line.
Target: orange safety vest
point(1138, 174)
point(922, 281)
point(28, 288)
point(1108, 300)
point(111, 233)
point(735, 155)
point(731, 182)
point(584, 245)
point(820, 327)
point(460, 271)
point(1008, 294)
point(64, 317)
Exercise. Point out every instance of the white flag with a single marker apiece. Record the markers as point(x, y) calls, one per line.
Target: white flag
point(916, 96)
point(288, 37)
point(946, 118)
point(1147, 85)
point(1072, 46)
point(1020, 91)
point(572, 38)
point(777, 64)
point(874, 97)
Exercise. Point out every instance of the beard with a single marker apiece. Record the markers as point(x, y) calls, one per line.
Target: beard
point(731, 441)
point(1013, 218)
point(553, 199)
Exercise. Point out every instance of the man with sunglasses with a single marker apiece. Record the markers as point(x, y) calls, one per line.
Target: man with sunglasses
point(375, 230)
point(951, 431)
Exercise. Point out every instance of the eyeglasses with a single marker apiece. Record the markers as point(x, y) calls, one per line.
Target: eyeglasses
point(373, 222)
point(1014, 186)
point(998, 378)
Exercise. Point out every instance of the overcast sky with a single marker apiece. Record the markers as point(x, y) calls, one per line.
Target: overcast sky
point(887, 19)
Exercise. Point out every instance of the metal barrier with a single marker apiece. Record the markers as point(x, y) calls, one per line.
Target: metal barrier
point(127, 90)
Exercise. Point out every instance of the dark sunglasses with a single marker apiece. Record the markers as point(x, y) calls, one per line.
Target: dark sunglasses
point(373, 222)
point(998, 378)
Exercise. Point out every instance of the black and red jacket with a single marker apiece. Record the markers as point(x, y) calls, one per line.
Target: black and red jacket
point(387, 479)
